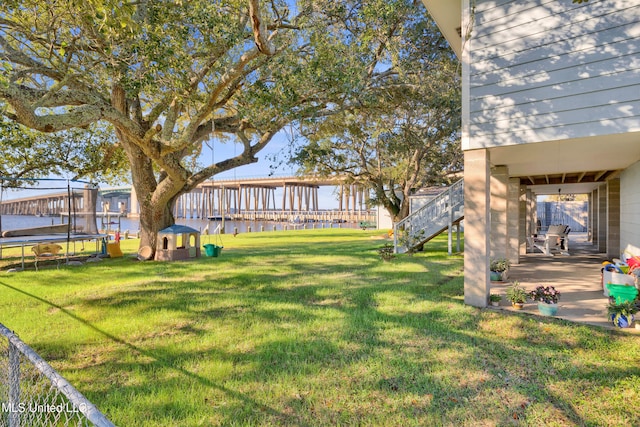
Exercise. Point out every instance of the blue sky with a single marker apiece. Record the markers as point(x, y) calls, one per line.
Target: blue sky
point(266, 166)
point(279, 146)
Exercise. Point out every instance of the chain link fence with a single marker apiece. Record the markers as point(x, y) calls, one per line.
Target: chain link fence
point(33, 394)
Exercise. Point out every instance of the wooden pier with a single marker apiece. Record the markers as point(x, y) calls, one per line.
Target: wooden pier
point(256, 199)
point(48, 204)
point(292, 199)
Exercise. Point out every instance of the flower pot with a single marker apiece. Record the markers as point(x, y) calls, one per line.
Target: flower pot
point(495, 303)
point(622, 321)
point(547, 309)
point(495, 276)
point(517, 305)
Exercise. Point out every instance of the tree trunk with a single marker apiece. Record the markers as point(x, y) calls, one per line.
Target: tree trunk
point(383, 198)
point(153, 219)
point(156, 199)
point(403, 212)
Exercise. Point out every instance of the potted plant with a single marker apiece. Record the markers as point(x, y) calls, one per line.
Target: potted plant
point(621, 314)
point(547, 297)
point(517, 295)
point(499, 268)
point(494, 300)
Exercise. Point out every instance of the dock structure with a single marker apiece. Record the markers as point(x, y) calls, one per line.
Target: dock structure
point(269, 199)
point(76, 207)
point(256, 199)
point(52, 204)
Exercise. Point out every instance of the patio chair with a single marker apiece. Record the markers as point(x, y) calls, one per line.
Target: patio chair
point(555, 240)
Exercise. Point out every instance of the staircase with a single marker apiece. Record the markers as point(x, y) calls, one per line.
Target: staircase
point(430, 220)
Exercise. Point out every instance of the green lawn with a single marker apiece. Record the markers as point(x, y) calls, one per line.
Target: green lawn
point(310, 327)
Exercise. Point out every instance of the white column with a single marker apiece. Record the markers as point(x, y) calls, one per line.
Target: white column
point(613, 218)
point(513, 220)
point(477, 227)
point(602, 218)
point(499, 179)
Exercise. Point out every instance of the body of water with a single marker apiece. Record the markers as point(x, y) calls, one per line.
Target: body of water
point(113, 224)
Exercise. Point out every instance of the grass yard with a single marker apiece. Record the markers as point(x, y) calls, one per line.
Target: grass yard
point(311, 328)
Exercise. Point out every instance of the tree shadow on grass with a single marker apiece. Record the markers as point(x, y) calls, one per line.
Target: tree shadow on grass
point(484, 364)
point(162, 360)
point(157, 296)
point(420, 361)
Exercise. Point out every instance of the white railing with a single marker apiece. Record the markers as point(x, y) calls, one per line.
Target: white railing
point(32, 393)
point(431, 219)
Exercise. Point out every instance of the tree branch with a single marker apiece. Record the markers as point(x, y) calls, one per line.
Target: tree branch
point(261, 38)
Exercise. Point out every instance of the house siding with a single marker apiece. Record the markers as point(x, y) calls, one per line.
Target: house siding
point(630, 206)
point(550, 70)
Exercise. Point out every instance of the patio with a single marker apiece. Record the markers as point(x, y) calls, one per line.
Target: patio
point(576, 276)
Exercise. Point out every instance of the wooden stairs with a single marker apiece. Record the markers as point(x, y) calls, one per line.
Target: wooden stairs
point(439, 215)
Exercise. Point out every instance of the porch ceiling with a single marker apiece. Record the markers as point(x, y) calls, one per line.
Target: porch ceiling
point(568, 183)
point(571, 166)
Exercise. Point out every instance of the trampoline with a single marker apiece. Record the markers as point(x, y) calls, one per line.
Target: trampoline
point(81, 225)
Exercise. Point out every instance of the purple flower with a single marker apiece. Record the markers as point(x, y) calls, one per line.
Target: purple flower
point(546, 294)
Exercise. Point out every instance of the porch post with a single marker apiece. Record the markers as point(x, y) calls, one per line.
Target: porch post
point(477, 227)
point(590, 226)
point(524, 219)
point(613, 218)
point(498, 202)
point(513, 220)
point(595, 200)
point(602, 218)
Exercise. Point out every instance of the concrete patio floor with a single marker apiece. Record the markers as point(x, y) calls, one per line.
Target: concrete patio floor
point(576, 276)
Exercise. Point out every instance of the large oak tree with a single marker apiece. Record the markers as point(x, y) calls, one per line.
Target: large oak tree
point(391, 155)
point(400, 139)
point(28, 155)
point(169, 76)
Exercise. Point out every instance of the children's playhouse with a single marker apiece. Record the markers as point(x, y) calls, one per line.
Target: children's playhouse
point(178, 242)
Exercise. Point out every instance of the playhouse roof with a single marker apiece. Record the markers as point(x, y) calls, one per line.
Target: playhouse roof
point(178, 229)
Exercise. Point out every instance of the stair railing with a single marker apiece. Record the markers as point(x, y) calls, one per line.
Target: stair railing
point(430, 219)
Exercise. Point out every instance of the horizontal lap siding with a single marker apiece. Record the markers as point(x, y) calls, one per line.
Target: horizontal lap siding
point(548, 69)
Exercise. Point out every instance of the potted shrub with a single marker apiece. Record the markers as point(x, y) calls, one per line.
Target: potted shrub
point(517, 295)
point(547, 297)
point(494, 300)
point(622, 314)
point(499, 268)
